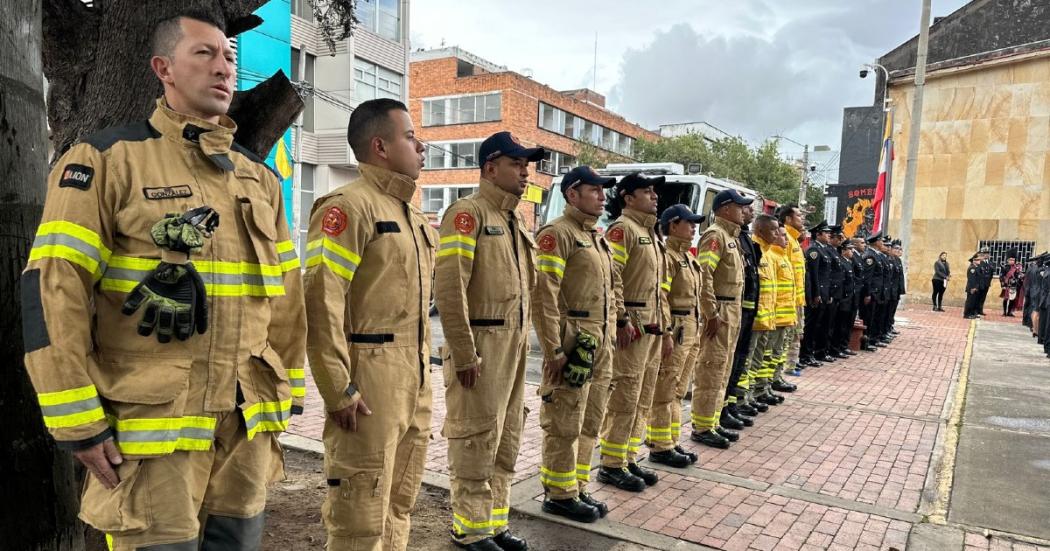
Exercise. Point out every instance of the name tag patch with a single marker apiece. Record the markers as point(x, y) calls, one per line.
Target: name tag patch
point(731, 244)
point(493, 230)
point(645, 241)
point(582, 244)
point(77, 176)
point(170, 192)
point(387, 227)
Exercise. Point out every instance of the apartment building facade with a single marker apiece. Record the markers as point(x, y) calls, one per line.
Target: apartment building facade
point(457, 99)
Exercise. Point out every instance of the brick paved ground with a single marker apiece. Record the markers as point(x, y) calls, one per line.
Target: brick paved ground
point(841, 465)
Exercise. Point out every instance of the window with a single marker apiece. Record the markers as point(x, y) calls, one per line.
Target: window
point(441, 155)
point(462, 110)
point(306, 202)
point(303, 9)
point(382, 17)
point(372, 81)
point(1000, 250)
point(308, 76)
point(437, 198)
point(578, 128)
point(553, 161)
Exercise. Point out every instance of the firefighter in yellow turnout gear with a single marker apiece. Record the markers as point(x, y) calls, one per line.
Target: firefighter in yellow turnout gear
point(792, 220)
point(369, 348)
point(486, 270)
point(643, 318)
point(760, 360)
point(678, 223)
point(722, 282)
point(179, 435)
point(786, 312)
point(573, 302)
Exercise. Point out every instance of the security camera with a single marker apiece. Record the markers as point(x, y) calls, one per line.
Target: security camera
point(864, 73)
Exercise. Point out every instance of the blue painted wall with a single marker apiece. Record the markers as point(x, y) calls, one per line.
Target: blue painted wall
point(260, 53)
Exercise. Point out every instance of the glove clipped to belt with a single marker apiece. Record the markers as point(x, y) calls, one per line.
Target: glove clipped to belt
point(174, 293)
point(580, 366)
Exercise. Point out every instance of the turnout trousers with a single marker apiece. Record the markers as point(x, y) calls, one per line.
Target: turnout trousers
point(187, 500)
point(665, 424)
point(712, 371)
point(483, 426)
point(570, 417)
point(374, 474)
point(630, 397)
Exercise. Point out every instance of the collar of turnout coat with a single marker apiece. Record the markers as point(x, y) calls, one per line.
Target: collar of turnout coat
point(388, 181)
point(730, 228)
point(643, 219)
point(585, 220)
point(212, 139)
point(677, 244)
point(499, 198)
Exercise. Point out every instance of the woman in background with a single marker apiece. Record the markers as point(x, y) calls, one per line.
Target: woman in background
point(941, 274)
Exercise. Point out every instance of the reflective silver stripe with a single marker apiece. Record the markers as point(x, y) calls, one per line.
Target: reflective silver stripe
point(70, 408)
point(464, 529)
point(129, 274)
point(167, 435)
point(73, 243)
point(272, 416)
point(286, 256)
point(457, 245)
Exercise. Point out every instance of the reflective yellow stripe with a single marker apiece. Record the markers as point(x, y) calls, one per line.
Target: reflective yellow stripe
point(297, 380)
point(286, 255)
point(73, 243)
point(221, 278)
point(551, 264)
point(164, 435)
point(341, 261)
point(557, 479)
point(267, 417)
point(463, 526)
point(619, 252)
point(460, 245)
point(70, 408)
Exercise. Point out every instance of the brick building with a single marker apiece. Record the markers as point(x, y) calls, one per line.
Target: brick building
point(458, 99)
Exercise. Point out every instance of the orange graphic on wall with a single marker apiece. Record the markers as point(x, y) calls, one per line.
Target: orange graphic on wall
point(854, 219)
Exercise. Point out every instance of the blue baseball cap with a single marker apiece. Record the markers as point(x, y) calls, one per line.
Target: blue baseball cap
point(504, 144)
point(678, 212)
point(728, 196)
point(584, 174)
point(635, 181)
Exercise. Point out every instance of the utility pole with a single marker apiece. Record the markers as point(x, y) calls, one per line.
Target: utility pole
point(803, 188)
point(297, 162)
point(914, 132)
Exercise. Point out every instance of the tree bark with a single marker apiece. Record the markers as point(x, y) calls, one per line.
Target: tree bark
point(40, 489)
point(96, 60)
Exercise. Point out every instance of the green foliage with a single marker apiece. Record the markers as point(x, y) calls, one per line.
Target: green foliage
point(759, 168)
point(596, 157)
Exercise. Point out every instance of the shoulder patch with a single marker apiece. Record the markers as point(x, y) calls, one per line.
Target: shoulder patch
point(871, 261)
point(77, 176)
point(713, 245)
point(548, 243)
point(615, 235)
point(814, 255)
point(334, 221)
point(135, 132)
point(464, 222)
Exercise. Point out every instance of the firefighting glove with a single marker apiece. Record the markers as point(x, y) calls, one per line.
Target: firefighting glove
point(176, 304)
point(578, 369)
point(185, 233)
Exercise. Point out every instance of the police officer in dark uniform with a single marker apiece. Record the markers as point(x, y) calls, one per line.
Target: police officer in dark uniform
point(889, 287)
point(876, 288)
point(732, 417)
point(974, 281)
point(846, 308)
point(898, 290)
point(818, 297)
point(836, 281)
point(1031, 290)
point(862, 289)
point(987, 274)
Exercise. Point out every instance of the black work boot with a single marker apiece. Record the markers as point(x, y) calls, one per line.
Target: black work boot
point(745, 409)
point(727, 420)
point(602, 508)
point(728, 434)
point(621, 478)
point(647, 476)
point(710, 438)
point(572, 509)
point(509, 542)
point(487, 544)
point(671, 458)
point(767, 399)
point(759, 406)
point(734, 412)
point(783, 386)
point(693, 456)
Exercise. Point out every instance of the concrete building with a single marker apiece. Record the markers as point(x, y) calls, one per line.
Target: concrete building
point(373, 63)
point(984, 151)
point(709, 131)
point(458, 99)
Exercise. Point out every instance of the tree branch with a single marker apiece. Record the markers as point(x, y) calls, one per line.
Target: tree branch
point(263, 113)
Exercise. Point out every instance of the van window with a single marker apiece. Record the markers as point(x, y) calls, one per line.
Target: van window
point(705, 209)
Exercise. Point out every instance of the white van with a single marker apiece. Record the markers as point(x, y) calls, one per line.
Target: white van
point(695, 190)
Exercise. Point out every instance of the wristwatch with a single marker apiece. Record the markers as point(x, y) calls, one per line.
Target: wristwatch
point(351, 389)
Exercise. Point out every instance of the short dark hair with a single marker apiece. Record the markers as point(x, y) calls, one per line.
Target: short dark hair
point(167, 32)
point(368, 120)
point(785, 211)
point(763, 220)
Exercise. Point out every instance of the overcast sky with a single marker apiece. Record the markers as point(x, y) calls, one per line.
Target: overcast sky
point(751, 67)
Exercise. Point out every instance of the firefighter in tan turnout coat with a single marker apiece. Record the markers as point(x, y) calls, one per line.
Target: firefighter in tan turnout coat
point(486, 269)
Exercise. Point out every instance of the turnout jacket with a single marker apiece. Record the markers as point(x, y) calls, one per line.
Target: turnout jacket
point(721, 267)
point(575, 279)
point(486, 269)
point(369, 262)
point(93, 374)
point(640, 266)
point(766, 311)
point(798, 262)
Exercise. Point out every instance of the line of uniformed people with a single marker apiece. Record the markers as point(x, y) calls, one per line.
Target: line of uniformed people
point(1036, 314)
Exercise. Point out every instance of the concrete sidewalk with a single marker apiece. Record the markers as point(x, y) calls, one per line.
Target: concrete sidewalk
point(854, 460)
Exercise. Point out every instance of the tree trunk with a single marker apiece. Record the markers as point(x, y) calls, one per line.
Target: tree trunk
point(39, 507)
point(96, 60)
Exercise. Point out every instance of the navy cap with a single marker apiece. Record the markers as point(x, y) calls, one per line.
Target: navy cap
point(635, 181)
point(874, 237)
point(678, 212)
point(821, 226)
point(835, 229)
point(584, 174)
point(503, 144)
point(727, 196)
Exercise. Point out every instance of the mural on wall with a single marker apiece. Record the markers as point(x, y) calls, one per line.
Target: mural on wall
point(854, 208)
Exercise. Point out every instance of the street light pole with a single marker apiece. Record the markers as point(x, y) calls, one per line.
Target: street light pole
point(803, 188)
point(914, 132)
